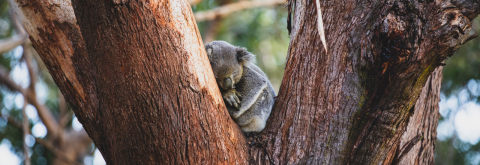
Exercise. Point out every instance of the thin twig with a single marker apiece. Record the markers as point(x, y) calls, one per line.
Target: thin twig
point(16, 23)
point(225, 10)
point(25, 131)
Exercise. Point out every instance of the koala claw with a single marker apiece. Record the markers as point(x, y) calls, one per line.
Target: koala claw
point(231, 97)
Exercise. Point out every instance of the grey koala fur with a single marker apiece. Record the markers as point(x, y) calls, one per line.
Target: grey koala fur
point(248, 94)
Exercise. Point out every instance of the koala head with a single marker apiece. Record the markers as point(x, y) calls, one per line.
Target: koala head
point(227, 62)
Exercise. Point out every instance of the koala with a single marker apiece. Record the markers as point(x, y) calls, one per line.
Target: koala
point(247, 93)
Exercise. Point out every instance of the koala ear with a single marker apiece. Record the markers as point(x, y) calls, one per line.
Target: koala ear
point(244, 57)
point(209, 49)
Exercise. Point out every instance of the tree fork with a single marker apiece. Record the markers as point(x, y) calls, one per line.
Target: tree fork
point(136, 79)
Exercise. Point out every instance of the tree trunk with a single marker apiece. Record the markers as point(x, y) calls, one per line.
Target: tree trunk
point(352, 105)
point(142, 87)
point(156, 100)
point(417, 145)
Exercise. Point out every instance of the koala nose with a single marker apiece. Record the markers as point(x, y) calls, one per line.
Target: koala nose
point(227, 83)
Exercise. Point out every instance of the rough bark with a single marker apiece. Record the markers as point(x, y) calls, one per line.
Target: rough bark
point(417, 145)
point(142, 88)
point(157, 100)
point(352, 105)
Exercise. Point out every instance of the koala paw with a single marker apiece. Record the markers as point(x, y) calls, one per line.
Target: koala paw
point(231, 97)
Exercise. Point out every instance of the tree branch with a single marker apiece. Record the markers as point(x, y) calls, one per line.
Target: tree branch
point(10, 120)
point(30, 94)
point(43, 111)
point(58, 153)
point(223, 11)
point(47, 144)
point(27, 56)
point(41, 141)
point(26, 129)
point(8, 44)
point(9, 83)
point(28, 60)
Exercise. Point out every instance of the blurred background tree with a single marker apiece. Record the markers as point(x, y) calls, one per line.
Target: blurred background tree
point(259, 26)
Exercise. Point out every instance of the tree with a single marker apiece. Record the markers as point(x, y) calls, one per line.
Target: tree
point(134, 74)
point(417, 144)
